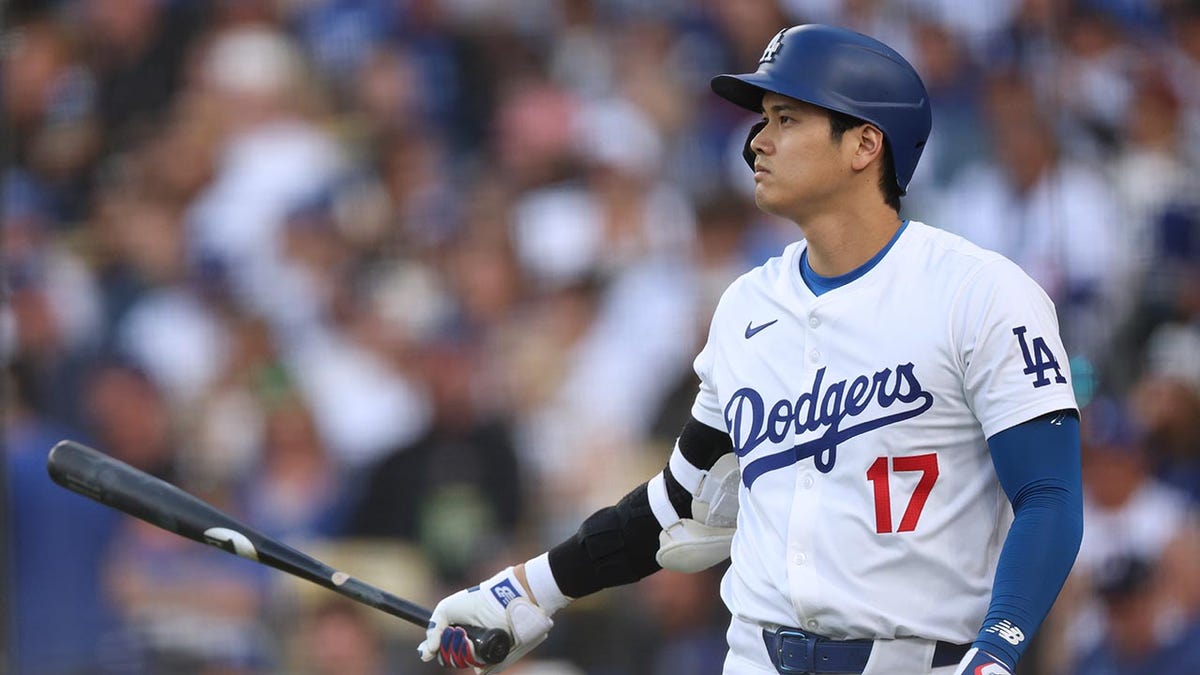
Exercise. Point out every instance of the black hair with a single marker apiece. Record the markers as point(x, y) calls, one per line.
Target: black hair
point(839, 124)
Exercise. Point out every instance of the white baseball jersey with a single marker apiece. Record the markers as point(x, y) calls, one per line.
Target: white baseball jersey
point(869, 507)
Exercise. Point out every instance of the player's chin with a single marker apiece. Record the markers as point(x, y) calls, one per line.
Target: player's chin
point(765, 199)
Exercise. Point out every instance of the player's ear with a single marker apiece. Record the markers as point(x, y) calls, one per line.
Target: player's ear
point(869, 141)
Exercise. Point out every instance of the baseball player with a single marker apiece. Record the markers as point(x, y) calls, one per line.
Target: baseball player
point(885, 441)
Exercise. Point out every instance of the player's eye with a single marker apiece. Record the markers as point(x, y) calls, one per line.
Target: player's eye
point(786, 119)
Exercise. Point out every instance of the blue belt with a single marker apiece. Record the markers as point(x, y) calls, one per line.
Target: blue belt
point(797, 652)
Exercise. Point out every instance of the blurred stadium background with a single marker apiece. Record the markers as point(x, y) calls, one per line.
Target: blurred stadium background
point(416, 285)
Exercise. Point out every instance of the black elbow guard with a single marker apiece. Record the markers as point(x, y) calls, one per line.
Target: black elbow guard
point(702, 445)
point(615, 546)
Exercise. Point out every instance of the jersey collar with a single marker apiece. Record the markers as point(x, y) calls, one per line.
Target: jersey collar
point(821, 284)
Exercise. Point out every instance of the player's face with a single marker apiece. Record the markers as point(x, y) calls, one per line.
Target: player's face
point(800, 169)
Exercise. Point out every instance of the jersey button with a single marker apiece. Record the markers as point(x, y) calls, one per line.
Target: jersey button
point(799, 558)
point(806, 482)
point(814, 321)
point(814, 356)
point(813, 624)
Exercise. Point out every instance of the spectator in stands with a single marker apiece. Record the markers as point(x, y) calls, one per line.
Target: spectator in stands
point(1140, 640)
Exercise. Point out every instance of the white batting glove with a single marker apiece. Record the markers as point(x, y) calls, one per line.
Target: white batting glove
point(500, 602)
point(979, 662)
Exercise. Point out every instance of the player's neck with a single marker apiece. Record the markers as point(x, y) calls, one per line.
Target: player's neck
point(839, 243)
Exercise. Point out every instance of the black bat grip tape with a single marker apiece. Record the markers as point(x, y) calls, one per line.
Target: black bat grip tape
point(491, 645)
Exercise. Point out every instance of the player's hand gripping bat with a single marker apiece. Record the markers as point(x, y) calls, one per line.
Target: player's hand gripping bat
point(122, 487)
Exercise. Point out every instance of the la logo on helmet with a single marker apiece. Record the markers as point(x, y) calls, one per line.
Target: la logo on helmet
point(772, 49)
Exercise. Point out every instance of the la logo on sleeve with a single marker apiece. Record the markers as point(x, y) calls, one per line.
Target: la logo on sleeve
point(1038, 359)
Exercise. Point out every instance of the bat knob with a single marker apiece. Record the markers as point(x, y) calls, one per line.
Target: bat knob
point(493, 645)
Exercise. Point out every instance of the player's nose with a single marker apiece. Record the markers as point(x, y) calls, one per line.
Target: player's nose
point(763, 144)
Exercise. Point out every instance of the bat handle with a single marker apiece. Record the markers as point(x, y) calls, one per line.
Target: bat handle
point(491, 645)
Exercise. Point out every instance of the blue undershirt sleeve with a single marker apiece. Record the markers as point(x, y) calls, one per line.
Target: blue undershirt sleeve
point(1038, 464)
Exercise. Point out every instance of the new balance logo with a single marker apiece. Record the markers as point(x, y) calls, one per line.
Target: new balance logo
point(505, 592)
point(1007, 632)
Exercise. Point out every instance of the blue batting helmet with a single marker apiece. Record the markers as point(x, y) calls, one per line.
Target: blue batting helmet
point(851, 73)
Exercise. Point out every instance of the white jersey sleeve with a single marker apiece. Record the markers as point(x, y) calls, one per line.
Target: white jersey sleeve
point(707, 407)
point(1012, 358)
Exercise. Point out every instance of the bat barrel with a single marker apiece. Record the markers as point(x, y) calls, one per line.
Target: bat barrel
point(76, 467)
point(113, 483)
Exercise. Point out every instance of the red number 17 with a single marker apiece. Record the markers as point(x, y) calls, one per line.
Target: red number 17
point(878, 475)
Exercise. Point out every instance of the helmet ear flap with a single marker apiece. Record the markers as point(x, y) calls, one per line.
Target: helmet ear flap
point(747, 152)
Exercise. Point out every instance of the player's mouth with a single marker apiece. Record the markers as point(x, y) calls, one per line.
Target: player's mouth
point(760, 172)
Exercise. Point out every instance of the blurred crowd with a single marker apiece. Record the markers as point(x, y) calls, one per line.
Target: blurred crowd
point(418, 284)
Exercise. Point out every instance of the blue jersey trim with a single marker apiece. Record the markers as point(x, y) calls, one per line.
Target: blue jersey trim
point(1038, 464)
point(820, 285)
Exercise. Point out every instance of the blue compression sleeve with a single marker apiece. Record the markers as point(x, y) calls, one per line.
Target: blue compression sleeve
point(1038, 466)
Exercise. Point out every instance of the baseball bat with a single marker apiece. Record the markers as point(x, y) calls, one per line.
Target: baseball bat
point(114, 483)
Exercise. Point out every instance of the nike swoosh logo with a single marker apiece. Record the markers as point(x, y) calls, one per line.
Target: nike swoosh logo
point(752, 330)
